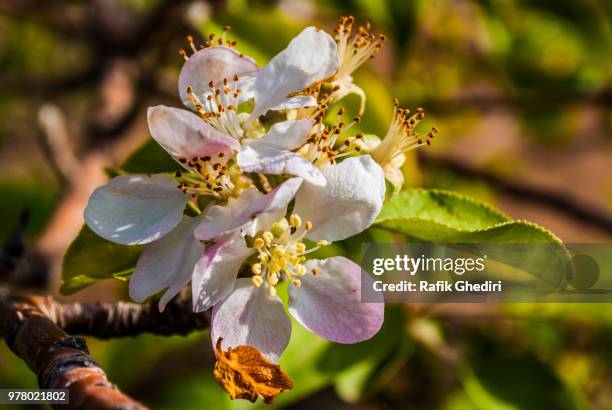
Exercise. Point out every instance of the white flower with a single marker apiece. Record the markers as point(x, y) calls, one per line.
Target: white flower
point(253, 236)
point(216, 80)
point(142, 209)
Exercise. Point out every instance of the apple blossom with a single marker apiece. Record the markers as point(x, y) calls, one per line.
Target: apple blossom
point(252, 232)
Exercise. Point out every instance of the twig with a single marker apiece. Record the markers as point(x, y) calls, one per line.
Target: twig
point(104, 320)
point(557, 200)
point(52, 123)
point(59, 361)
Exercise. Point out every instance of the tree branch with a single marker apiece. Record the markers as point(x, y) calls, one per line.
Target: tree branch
point(105, 320)
point(59, 361)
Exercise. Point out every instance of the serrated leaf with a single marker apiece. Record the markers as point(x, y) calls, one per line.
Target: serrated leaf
point(91, 258)
point(442, 207)
point(436, 216)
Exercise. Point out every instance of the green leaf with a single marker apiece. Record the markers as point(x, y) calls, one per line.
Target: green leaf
point(148, 159)
point(436, 216)
point(455, 211)
point(91, 258)
point(443, 216)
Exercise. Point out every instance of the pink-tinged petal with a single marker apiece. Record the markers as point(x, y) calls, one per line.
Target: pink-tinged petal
point(167, 263)
point(216, 272)
point(185, 135)
point(135, 209)
point(329, 303)
point(352, 199)
point(212, 64)
point(310, 57)
point(244, 213)
point(250, 316)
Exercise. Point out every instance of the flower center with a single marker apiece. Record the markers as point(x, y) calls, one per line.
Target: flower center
point(281, 254)
point(354, 50)
point(324, 146)
point(208, 176)
point(220, 107)
point(401, 136)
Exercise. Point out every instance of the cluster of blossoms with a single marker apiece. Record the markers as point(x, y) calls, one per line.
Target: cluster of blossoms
point(261, 197)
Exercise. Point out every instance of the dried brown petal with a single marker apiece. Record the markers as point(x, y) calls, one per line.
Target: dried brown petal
point(245, 373)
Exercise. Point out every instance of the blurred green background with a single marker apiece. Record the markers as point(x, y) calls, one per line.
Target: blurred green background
point(521, 92)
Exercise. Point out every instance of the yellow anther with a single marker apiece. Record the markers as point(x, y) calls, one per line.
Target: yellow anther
point(295, 221)
point(308, 225)
point(256, 268)
point(278, 252)
point(300, 247)
point(296, 282)
point(323, 242)
point(257, 280)
point(268, 237)
point(300, 270)
point(272, 291)
point(264, 258)
point(272, 280)
point(274, 267)
point(258, 243)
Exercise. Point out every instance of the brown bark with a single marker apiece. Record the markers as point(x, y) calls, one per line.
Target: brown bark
point(60, 361)
point(104, 320)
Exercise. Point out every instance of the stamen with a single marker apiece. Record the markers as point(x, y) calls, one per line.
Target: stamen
point(322, 148)
point(220, 109)
point(282, 257)
point(354, 50)
point(401, 136)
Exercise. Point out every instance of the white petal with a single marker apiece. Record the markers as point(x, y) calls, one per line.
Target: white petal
point(135, 209)
point(247, 88)
point(212, 64)
point(241, 212)
point(352, 199)
point(167, 263)
point(271, 153)
point(250, 316)
point(276, 162)
point(297, 101)
point(185, 135)
point(216, 272)
point(329, 304)
point(286, 135)
point(310, 57)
